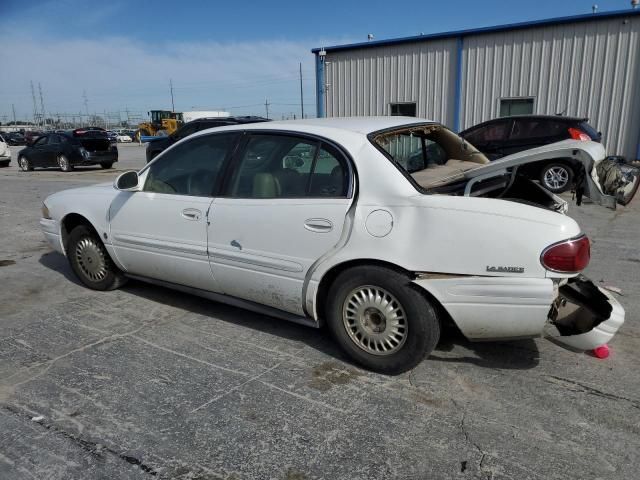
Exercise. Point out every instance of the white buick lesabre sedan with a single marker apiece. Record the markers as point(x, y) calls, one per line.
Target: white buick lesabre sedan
point(383, 228)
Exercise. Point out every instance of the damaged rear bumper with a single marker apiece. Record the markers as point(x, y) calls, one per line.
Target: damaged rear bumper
point(584, 316)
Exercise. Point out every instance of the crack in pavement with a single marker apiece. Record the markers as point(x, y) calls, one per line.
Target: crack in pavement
point(470, 441)
point(582, 388)
point(93, 448)
point(51, 362)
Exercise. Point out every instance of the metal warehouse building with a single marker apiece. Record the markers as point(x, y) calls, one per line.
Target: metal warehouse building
point(586, 65)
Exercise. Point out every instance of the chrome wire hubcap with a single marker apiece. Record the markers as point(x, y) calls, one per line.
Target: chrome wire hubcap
point(91, 259)
point(556, 177)
point(62, 161)
point(374, 320)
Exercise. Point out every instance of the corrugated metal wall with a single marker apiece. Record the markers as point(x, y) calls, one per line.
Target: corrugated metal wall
point(589, 69)
point(366, 81)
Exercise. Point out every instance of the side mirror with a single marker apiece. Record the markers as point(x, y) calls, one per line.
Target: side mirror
point(127, 182)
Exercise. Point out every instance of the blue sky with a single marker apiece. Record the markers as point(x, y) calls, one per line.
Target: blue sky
point(219, 54)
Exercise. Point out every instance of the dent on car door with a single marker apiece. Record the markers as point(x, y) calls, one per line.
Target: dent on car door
point(284, 207)
point(161, 231)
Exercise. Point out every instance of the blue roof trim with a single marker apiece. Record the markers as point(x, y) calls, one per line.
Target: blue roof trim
point(473, 31)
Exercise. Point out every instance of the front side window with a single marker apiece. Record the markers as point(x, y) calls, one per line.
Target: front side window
point(187, 130)
point(283, 166)
point(492, 132)
point(191, 168)
point(41, 141)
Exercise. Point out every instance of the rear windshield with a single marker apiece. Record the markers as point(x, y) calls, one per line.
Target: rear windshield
point(431, 154)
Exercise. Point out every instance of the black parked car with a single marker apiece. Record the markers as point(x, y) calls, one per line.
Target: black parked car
point(505, 136)
point(69, 149)
point(155, 146)
point(14, 138)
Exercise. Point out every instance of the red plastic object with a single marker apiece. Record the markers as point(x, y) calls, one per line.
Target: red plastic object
point(602, 351)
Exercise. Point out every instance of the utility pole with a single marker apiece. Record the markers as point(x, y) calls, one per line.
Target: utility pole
point(301, 96)
point(173, 109)
point(86, 105)
point(35, 105)
point(44, 115)
point(266, 106)
point(13, 107)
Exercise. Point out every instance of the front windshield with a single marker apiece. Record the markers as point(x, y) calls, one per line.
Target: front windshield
point(432, 154)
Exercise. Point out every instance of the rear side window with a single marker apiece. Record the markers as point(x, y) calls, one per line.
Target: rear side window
point(190, 168)
point(538, 128)
point(283, 166)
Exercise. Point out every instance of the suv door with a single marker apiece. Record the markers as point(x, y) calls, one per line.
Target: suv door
point(161, 231)
point(283, 207)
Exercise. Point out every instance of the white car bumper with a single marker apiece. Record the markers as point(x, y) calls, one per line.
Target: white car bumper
point(51, 230)
point(488, 308)
point(601, 334)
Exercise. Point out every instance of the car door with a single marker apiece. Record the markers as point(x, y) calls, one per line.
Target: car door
point(161, 231)
point(38, 153)
point(283, 207)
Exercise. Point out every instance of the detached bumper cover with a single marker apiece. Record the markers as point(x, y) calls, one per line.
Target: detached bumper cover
point(570, 331)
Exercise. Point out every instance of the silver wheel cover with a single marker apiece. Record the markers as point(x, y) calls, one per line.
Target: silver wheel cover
point(375, 320)
point(556, 177)
point(91, 259)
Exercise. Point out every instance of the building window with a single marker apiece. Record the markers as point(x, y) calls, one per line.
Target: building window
point(516, 106)
point(407, 109)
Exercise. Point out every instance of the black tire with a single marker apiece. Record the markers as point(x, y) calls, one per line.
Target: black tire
point(64, 163)
point(81, 263)
point(106, 165)
point(25, 164)
point(557, 177)
point(421, 322)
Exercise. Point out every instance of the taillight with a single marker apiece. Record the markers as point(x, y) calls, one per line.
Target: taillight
point(568, 256)
point(578, 134)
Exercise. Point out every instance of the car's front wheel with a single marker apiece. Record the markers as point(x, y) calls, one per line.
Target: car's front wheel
point(25, 164)
point(91, 262)
point(556, 177)
point(380, 319)
point(106, 165)
point(64, 164)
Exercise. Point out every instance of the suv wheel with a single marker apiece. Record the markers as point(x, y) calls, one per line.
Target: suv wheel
point(381, 320)
point(91, 262)
point(556, 177)
point(106, 165)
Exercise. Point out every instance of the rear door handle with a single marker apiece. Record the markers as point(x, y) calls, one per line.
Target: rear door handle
point(191, 214)
point(318, 225)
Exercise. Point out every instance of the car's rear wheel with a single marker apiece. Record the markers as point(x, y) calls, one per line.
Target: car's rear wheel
point(64, 164)
point(106, 165)
point(25, 164)
point(91, 262)
point(380, 319)
point(556, 177)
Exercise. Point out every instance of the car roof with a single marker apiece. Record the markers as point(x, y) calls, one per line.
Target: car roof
point(361, 125)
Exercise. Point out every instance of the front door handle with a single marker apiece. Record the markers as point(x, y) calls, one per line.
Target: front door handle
point(191, 214)
point(318, 225)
